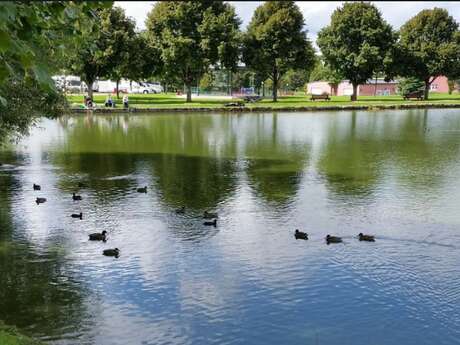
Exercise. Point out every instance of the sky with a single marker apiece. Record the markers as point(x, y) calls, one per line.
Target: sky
point(316, 13)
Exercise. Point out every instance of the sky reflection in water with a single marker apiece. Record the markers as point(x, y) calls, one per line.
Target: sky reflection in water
point(247, 281)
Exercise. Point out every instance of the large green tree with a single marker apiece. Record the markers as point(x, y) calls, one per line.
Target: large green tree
point(357, 43)
point(193, 35)
point(276, 42)
point(430, 46)
point(106, 49)
point(34, 37)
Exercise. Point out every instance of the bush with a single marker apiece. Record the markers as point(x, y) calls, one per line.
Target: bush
point(407, 85)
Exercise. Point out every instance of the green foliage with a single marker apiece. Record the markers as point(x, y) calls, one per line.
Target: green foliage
point(357, 43)
point(193, 35)
point(406, 85)
point(322, 72)
point(11, 336)
point(295, 79)
point(206, 82)
point(430, 46)
point(105, 50)
point(31, 33)
point(276, 42)
point(27, 100)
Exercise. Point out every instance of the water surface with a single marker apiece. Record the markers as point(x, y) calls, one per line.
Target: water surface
point(395, 174)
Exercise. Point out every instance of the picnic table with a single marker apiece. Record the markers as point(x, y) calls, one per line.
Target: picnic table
point(324, 96)
point(419, 94)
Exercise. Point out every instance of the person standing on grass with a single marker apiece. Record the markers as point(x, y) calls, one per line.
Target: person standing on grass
point(125, 101)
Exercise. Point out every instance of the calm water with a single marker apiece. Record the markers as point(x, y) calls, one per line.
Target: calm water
point(248, 281)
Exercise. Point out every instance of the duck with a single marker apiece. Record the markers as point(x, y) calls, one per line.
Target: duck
point(76, 197)
point(40, 200)
point(142, 190)
point(37, 187)
point(209, 215)
point(111, 252)
point(368, 238)
point(300, 235)
point(98, 236)
point(180, 210)
point(211, 223)
point(77, 215)
point(333, 239)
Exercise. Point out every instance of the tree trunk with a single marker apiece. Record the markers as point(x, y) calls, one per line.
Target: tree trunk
point(354, 96)
point(427, 88)
point(118, 91)
point(275, 85)
point(89, 84)
point(189, 93)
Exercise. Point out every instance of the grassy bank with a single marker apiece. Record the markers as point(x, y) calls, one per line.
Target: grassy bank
point(11, 336)
point(165, 101)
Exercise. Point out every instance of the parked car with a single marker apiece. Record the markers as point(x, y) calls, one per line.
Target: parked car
point(155, 86)
point(141, 87)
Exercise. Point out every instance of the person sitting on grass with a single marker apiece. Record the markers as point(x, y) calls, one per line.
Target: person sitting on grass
point(125, 102)
point(109, 102)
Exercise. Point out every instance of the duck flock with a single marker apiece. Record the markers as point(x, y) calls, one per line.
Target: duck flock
point(211, 218)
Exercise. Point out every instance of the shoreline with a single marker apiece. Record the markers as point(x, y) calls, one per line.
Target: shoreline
point(270, 109)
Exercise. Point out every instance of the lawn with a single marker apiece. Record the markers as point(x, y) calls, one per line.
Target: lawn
point(171, 101)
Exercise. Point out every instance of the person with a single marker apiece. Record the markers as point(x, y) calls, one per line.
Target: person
point(88, 102)
point(125, 101)
point(109, 102)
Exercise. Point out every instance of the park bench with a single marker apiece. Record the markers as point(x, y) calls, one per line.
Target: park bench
point(324, 96)
point(234, 104)
point(252, 99)
point(419, 94)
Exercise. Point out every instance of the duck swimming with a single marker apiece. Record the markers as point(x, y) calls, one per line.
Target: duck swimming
point(333, 239)
point(212, 223)
point(40, 200)
point(76, 197)
point(77, 215)
point(37, 187)
point(142, 190)
point(98, 236)
point(180, 210)
point(209, 215)
point(111, 252)
point(368, 238)
point(299, 235)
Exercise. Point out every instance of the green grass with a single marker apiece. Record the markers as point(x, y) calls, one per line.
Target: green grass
point(171, 101)
point(11, 336)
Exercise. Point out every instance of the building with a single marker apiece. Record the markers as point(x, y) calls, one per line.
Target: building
point(375, 87)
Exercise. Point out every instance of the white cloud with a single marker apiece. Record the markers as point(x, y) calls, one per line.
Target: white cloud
point(317, 13)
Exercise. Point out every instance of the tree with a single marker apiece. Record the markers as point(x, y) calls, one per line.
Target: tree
point(34, 36)
point(430, 46)
point(121, 43)
point(106, 50)
point(357, 43)
point(407, 85)
point(193, 35)
point(276, 42)
point(322, 72)
point(33, 32)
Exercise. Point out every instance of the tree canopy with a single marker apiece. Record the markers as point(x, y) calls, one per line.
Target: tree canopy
point(276, 42)
point(106, 50)
point(191, 36)
point(34, 38)
point(430, 46)
point(357, 43)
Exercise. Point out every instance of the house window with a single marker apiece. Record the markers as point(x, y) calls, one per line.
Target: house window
point(433, 86)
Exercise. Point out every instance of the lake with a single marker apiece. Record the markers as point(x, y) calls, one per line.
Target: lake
point(394, 174)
